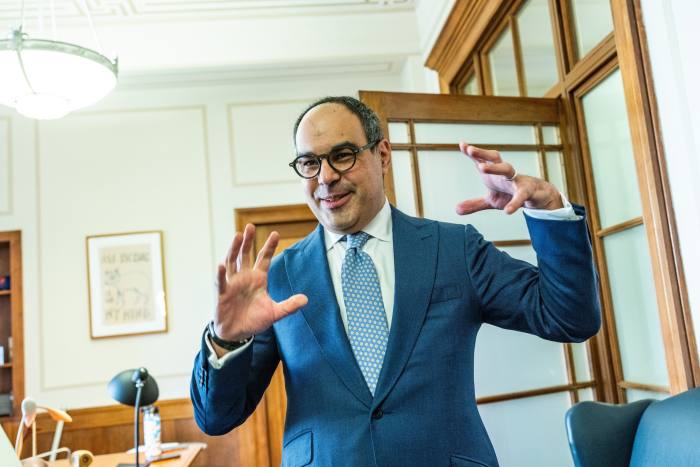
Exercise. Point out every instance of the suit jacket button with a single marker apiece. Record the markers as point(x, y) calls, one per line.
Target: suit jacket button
point(377, 414)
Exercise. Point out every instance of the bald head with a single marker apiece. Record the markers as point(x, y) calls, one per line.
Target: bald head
point(342, 202)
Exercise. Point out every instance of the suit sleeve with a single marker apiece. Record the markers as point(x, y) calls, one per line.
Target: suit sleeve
point(558, 300)
point(224, 398)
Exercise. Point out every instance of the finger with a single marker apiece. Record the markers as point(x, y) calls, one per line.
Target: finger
point(289, 306)
point(267, 252)
point(479, 154)
point(519, 198)
point(472, 205)
point(232, 255)
point(246, 253)
point(499, 168)
point(221, 278)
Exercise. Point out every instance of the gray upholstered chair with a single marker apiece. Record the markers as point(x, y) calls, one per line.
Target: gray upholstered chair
point(645, 433)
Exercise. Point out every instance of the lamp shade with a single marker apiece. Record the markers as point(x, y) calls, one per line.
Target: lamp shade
point(47, 79)
point(122, 388)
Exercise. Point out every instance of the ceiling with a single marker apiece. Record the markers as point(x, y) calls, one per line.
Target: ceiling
point(159, 10)
point(202, 40)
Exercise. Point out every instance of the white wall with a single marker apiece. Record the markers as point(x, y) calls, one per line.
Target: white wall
point(199, 125)
point(172, 158)
point(673, 36)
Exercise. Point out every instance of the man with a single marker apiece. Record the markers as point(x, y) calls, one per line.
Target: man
point(374, 315)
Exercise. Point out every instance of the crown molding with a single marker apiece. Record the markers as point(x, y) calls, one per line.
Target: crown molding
point(241, 74)
point(465, 25)
point(72, 12)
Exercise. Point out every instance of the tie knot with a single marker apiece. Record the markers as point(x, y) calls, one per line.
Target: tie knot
point(357, 240)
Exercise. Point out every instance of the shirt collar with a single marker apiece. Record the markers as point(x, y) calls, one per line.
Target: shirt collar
point(380, 228)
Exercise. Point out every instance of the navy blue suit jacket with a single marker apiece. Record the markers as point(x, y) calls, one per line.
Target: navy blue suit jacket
point(449, 281)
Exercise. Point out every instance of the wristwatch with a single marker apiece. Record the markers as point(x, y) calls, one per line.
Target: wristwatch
point(228, 345)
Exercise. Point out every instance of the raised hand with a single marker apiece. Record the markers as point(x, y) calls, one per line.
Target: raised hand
point(244, 307)
point(507, 190)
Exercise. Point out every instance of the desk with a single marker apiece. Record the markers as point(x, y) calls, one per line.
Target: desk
point(187, 456)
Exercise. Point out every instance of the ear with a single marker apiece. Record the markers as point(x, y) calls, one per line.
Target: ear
point(384, 150)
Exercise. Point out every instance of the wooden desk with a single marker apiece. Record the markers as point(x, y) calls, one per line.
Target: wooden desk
point(187, 456)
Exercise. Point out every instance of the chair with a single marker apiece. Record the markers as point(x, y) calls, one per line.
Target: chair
point(645, 433)
point(30, 409)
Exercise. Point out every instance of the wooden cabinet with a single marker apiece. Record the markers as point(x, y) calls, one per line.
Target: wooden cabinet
point(11, 321)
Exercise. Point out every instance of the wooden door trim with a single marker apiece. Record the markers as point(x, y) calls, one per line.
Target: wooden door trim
point(272, 215)
point(273, 403)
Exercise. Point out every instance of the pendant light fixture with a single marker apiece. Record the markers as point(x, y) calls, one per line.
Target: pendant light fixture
point(46, 79)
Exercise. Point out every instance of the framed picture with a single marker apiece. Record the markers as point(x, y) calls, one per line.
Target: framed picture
point(126, 284)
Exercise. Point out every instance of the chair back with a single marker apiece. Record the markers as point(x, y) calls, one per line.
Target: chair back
point(669, 433)
point(602, 435)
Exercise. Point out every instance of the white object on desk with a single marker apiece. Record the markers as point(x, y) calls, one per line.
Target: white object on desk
point(8, 458)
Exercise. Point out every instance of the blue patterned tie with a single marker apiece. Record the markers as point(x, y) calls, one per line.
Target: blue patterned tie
point(367, 328)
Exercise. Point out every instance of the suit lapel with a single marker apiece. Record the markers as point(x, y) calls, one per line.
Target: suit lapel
point(308, 273)
point(415, 261)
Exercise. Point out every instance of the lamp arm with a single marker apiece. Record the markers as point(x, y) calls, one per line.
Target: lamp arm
point(139, 387)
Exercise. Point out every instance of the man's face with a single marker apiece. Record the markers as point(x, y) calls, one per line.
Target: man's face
point(342, 203)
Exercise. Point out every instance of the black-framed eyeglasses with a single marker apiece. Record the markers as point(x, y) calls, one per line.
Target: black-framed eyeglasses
point(341, 160)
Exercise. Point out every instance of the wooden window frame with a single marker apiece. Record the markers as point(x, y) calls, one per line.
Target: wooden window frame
point(471, 70)
point(476, 26)
point(425, 108)
point(599, 233)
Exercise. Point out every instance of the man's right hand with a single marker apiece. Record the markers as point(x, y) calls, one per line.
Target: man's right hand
point(244, 307)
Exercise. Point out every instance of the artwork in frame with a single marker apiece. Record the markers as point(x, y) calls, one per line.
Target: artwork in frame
point(126, 284)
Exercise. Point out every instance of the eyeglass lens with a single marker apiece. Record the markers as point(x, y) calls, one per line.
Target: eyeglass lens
point(310, 166)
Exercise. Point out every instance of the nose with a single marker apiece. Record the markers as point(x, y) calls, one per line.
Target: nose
point(327, 175)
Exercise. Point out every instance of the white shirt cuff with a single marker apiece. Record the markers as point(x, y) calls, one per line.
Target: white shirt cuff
point(566, 213)
point(214, 360)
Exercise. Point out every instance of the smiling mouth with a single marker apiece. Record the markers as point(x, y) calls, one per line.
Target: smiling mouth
point(334, 201)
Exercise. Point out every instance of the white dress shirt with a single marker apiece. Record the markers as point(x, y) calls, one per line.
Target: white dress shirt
point(380, 247)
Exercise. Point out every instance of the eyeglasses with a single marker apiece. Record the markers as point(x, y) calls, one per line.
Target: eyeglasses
point(341, 160)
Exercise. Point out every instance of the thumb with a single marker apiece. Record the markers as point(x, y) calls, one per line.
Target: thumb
point(290, 305)
point(472, 205)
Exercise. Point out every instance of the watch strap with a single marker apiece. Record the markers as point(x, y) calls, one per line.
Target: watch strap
point(223, 343)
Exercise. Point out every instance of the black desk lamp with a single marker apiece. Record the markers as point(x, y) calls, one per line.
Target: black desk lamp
point(136, 388)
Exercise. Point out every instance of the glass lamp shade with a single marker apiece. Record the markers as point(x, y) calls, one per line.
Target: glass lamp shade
point(122, 389)
point(58, 77)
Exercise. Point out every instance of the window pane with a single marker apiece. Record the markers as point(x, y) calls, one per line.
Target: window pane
point(634, 302)
point(398, 132)
point(403, 182)
point(555, 171)
point(550, 134)
point(448, 178)
point(586, 395)
point(453, 133)
point(537, 44)
point(592, 22)
point(523, 253)
point(502, 61)
point(581, 368)
point(610, 146)
point(507, 361)
point(470, 87)
point(638, 394)
point(529, 432)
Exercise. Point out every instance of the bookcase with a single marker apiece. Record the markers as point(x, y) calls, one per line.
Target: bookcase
point(11, 321)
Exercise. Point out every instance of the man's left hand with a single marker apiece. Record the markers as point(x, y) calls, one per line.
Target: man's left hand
point(506, 190)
